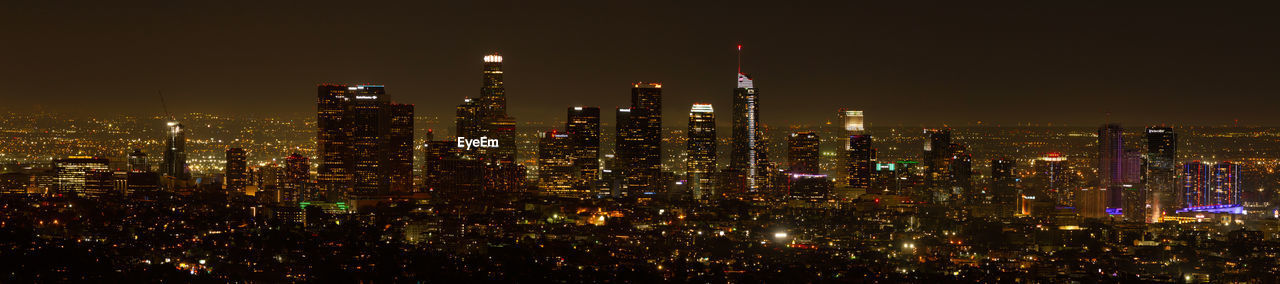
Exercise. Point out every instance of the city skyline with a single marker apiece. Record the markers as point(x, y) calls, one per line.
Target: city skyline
point(860, 142)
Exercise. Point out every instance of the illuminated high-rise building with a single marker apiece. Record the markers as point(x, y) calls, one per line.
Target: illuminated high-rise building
point(583, 128)
point(400, 148)
point(1133, 190)
point(138, 161)
point(237, 170)
point(803, 153)
point(83, 176)
point(1111, 163)
point(937, 147)
point(639, 144)
point(175, 151)
point(365, 141)
point(297, 177)
point(1162, 167)
point(1053, 180)
point(1226, 184)
point(1004, 185)
point(701, 150)
point(849, 122)
point(862, 161)
point(331, 140)
point(748, 159)
point(961, 172)
point(555, 164)
point(1197, 184)
point(468, 119)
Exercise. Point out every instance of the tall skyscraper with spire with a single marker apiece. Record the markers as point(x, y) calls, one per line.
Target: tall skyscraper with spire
point(748, 158)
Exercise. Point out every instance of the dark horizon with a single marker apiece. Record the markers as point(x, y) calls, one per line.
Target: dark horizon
point(939, 64)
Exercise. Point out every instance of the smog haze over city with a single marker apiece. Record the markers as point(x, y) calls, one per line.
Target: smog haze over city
point(669, 141)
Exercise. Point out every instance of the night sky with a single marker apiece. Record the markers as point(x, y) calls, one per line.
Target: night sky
point(910, 64)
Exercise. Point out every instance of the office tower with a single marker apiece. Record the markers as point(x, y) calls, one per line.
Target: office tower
point(468, 119)
point(640, 139)
point(365, 141)
point(701, 150)
point(861, 158)
point(583, 127)
point(400, 156)
point(937, 144)
point(296, 178)
point(850, 122)
point(14, 183)
point(1004, 185)
point(961, 172)
point(84, 176)
point(803, 153)
point(1111, 163)
point(486, 116)
point(331, 140)
point(1133, 190)
point(1226, 184)
point(555, 164)
point(434, 154)
point(138, 161)
point(237, 170)
point(748, 159)
point(1197, 184)
point(1052, 177)
point(1162, 169)
point(175, 151)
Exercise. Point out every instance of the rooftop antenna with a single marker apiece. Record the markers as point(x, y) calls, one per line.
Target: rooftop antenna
point(739, 58)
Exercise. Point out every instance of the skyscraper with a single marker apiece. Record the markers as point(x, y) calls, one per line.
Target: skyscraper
point(1004, 185)
point(639, 144)
point(936, 154)
point(1053, 179)
point(493, 119)
point(803, 153)
point(1162, 167)
point(237, 170)
point(1226, 184)
point(365, 141)
point(1197, 184)
point(701, 150)
point(1134, 190)
point(297, 177)
point(555, 164)
point(748, 159)
point(400, 148)
point(850, 122)
point(1111, 163)
point(175, 151)
point(862, 160)
point(583, 128)
point(961, 172)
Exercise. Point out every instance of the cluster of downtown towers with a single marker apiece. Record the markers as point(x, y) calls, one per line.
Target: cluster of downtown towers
point(366, 150)
point(365, 146)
